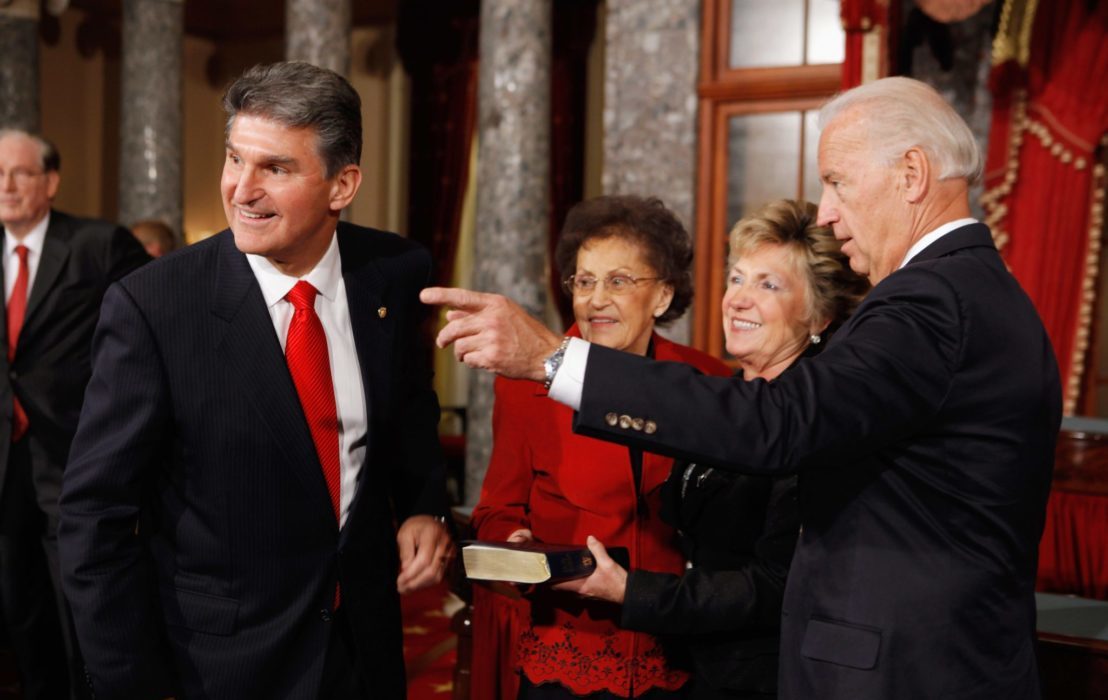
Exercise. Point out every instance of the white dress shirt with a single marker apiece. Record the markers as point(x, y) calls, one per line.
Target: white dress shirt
point(34, 242)
point(570, 377)
point(346, 375)
point(934, 236)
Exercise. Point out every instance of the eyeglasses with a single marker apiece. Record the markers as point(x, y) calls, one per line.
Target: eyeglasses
point(21, 175)
point(584, 285)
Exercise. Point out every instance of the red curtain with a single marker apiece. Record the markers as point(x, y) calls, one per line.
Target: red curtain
point(438, 44)
point(1073, 554)
point(1043, 185)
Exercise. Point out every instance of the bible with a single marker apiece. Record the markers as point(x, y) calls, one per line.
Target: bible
point(531, 562)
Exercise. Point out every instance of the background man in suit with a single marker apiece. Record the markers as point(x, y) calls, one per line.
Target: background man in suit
point(259, 416)
point(923, 434)
point(56, 268)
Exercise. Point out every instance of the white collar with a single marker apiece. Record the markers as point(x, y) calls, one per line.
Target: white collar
point(325, 276)
point(934, 236)
point(34, 240)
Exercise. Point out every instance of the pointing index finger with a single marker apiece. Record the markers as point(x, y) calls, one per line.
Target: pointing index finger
point(453, 297)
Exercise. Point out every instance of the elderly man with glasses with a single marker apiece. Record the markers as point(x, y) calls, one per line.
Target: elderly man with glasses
point(56, 268)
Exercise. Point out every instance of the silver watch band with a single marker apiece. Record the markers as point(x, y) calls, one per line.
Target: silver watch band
point(551, 364)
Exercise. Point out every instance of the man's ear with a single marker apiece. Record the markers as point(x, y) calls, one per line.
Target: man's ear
point(344, 186)
point(915, 174)
point(53, 182)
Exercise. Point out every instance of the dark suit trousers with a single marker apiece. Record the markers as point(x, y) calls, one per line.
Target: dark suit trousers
point(342, 679)
point(26, 591)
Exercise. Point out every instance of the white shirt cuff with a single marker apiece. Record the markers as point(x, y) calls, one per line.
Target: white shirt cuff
point(570, 377)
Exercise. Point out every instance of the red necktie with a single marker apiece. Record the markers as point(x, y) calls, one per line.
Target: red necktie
point(17, 309)
point(306, 354)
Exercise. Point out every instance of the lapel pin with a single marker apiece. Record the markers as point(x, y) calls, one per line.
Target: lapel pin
point(382, 312)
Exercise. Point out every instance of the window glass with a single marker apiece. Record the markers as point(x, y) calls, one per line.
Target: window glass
point(763, 160)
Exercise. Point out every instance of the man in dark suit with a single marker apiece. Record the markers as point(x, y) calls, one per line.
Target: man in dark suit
point(259, 419)
point(923, 434)
point(56, 268)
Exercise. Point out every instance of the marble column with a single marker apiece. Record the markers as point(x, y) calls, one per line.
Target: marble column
point(19, 71)
point(513, 183)
point(318, 31)
point(651, 68)
point(150, 163)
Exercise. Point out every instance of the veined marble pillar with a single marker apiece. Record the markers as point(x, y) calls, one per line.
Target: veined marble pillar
point(19, 103)
point(318, 31)
point(513, 183)
point(150, 161)
point(651, 69)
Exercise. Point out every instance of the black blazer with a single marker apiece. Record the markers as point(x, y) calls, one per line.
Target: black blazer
point(80, 258)
point(931, 418)
point(192, 430)
point(722, 617)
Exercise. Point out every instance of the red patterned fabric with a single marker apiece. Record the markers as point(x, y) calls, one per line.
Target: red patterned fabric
point(1073, 554)
point(17, 309)
point(1041, 176)
point(564, 487)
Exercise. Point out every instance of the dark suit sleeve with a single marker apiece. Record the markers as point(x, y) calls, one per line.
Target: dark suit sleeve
point(107, 575)
point(889, 371)
point(419, 486)
point(702, 601)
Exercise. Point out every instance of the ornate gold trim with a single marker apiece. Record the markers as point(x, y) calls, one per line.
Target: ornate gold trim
point(1088, 291)
point(1069, 150)
point(1013, 35)
point(872, 43)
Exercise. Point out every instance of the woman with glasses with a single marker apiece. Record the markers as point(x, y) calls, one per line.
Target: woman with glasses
point(788, 287)
point(626, 264)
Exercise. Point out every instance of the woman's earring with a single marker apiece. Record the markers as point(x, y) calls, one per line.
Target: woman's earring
point(815, 339)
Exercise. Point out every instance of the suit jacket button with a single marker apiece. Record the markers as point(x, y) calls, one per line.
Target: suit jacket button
point(611, 419)
point(325, 615)
point(637, 423)
point(650, 427)
point(625, 421)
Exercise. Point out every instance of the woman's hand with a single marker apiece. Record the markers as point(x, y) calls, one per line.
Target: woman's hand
point(521, 535)
point(608, 582)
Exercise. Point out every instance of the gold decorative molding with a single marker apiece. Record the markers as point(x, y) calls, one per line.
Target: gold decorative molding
point(1013, 35)
point(872, 46)
point(1088, 290)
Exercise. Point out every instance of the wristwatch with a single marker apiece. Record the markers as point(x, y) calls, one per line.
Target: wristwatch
point(551, 364)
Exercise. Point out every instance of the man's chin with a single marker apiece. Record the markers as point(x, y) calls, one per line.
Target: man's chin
point(249, 242)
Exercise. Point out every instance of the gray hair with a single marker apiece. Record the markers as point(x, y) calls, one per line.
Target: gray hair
point(300, 95)
point(51, 159)
point(907, 113)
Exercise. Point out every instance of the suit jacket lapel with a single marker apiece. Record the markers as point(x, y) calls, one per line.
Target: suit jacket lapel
point(55, 251)
point(373, 332)
point(254, 353)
